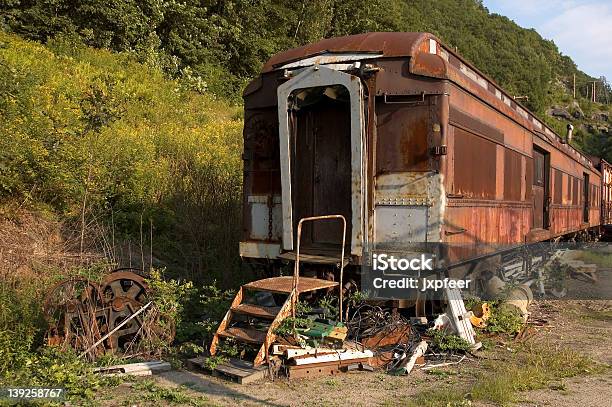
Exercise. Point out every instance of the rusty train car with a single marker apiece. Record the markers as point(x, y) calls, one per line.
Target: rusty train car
point(410, 143)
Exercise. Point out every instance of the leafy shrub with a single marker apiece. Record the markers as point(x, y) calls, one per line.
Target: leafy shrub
point(95, 134)
point(446, 342)
point(503, 320)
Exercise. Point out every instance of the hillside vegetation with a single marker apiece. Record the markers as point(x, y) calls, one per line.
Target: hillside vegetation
point(95, 138)
point(129, 115)
point(120, 138)
point(218, 45)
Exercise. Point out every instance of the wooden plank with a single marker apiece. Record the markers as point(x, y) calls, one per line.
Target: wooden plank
point(457, 310)
point(241, 371)
point(135, 369)
point(332, 357)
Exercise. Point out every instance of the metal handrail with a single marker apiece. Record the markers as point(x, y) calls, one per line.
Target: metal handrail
point(296, 270)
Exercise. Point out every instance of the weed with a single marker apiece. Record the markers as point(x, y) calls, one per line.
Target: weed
point(173, 395)
point(532, 367)
point(445, 342)
point(439, 397)
point(211, 362)
point(329, 304)
point(600, 259)
point(290, 325)
point(441, 373)
point(605, 316)
point(503, 320)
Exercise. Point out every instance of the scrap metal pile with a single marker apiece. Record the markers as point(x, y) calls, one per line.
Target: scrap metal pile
point(373, 337)
point(97, 318)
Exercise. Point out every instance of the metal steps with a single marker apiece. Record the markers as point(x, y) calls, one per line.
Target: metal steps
point(284, 285)
point(257, 311)
point(247, 335)
point(291, 286)
point(233, 327)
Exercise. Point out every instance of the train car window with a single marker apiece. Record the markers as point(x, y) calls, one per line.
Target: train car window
point(402, 132)
point(575, 188)
point(558, 188)
point(475, 165)
point(512, 175)
point(538, 168)
point(568, 195)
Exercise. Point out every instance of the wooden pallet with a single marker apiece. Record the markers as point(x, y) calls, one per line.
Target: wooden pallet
point(239, 371)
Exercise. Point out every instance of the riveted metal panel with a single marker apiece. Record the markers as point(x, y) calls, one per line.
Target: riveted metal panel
point(399, 225)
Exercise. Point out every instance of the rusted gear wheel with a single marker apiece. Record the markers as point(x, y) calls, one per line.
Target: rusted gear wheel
point(67, 296)
point(70, 310)
point(123, 293)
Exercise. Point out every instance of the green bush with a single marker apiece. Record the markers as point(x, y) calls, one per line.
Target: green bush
point(92, 133)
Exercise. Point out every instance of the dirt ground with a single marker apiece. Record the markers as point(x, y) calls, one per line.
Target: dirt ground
point(585, 326)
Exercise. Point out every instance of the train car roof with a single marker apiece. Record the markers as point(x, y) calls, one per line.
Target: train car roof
point(390, 44)
point(428, 57)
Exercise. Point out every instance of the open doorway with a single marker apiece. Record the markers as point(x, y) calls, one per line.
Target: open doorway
point(321, 161)
point(586, 196)
point(541, 189)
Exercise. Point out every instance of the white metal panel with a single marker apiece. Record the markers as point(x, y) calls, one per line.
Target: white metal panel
point(259, 250)
point(329, 59)
point(313, 77)
point(400, 225)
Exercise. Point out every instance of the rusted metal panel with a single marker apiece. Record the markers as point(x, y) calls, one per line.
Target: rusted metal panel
point(528, 179)
point(395, 78)
point(390, 44)
point(429, 65)
point(284, 285)
point(409, 209)
point(470, 123)
point(402, 130)
point(557, 187)
point(485, 221)
point(475, 166)
point(512, 174)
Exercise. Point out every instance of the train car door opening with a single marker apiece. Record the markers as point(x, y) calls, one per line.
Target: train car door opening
point(321, 179)
point(322, 148)
point(585, 197)
point(541, 189)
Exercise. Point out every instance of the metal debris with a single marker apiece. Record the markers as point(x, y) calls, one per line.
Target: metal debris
point(97, 318)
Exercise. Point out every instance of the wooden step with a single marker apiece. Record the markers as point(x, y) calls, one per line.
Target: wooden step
point(284, 285)
point(247, 335)
point(256, 311)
